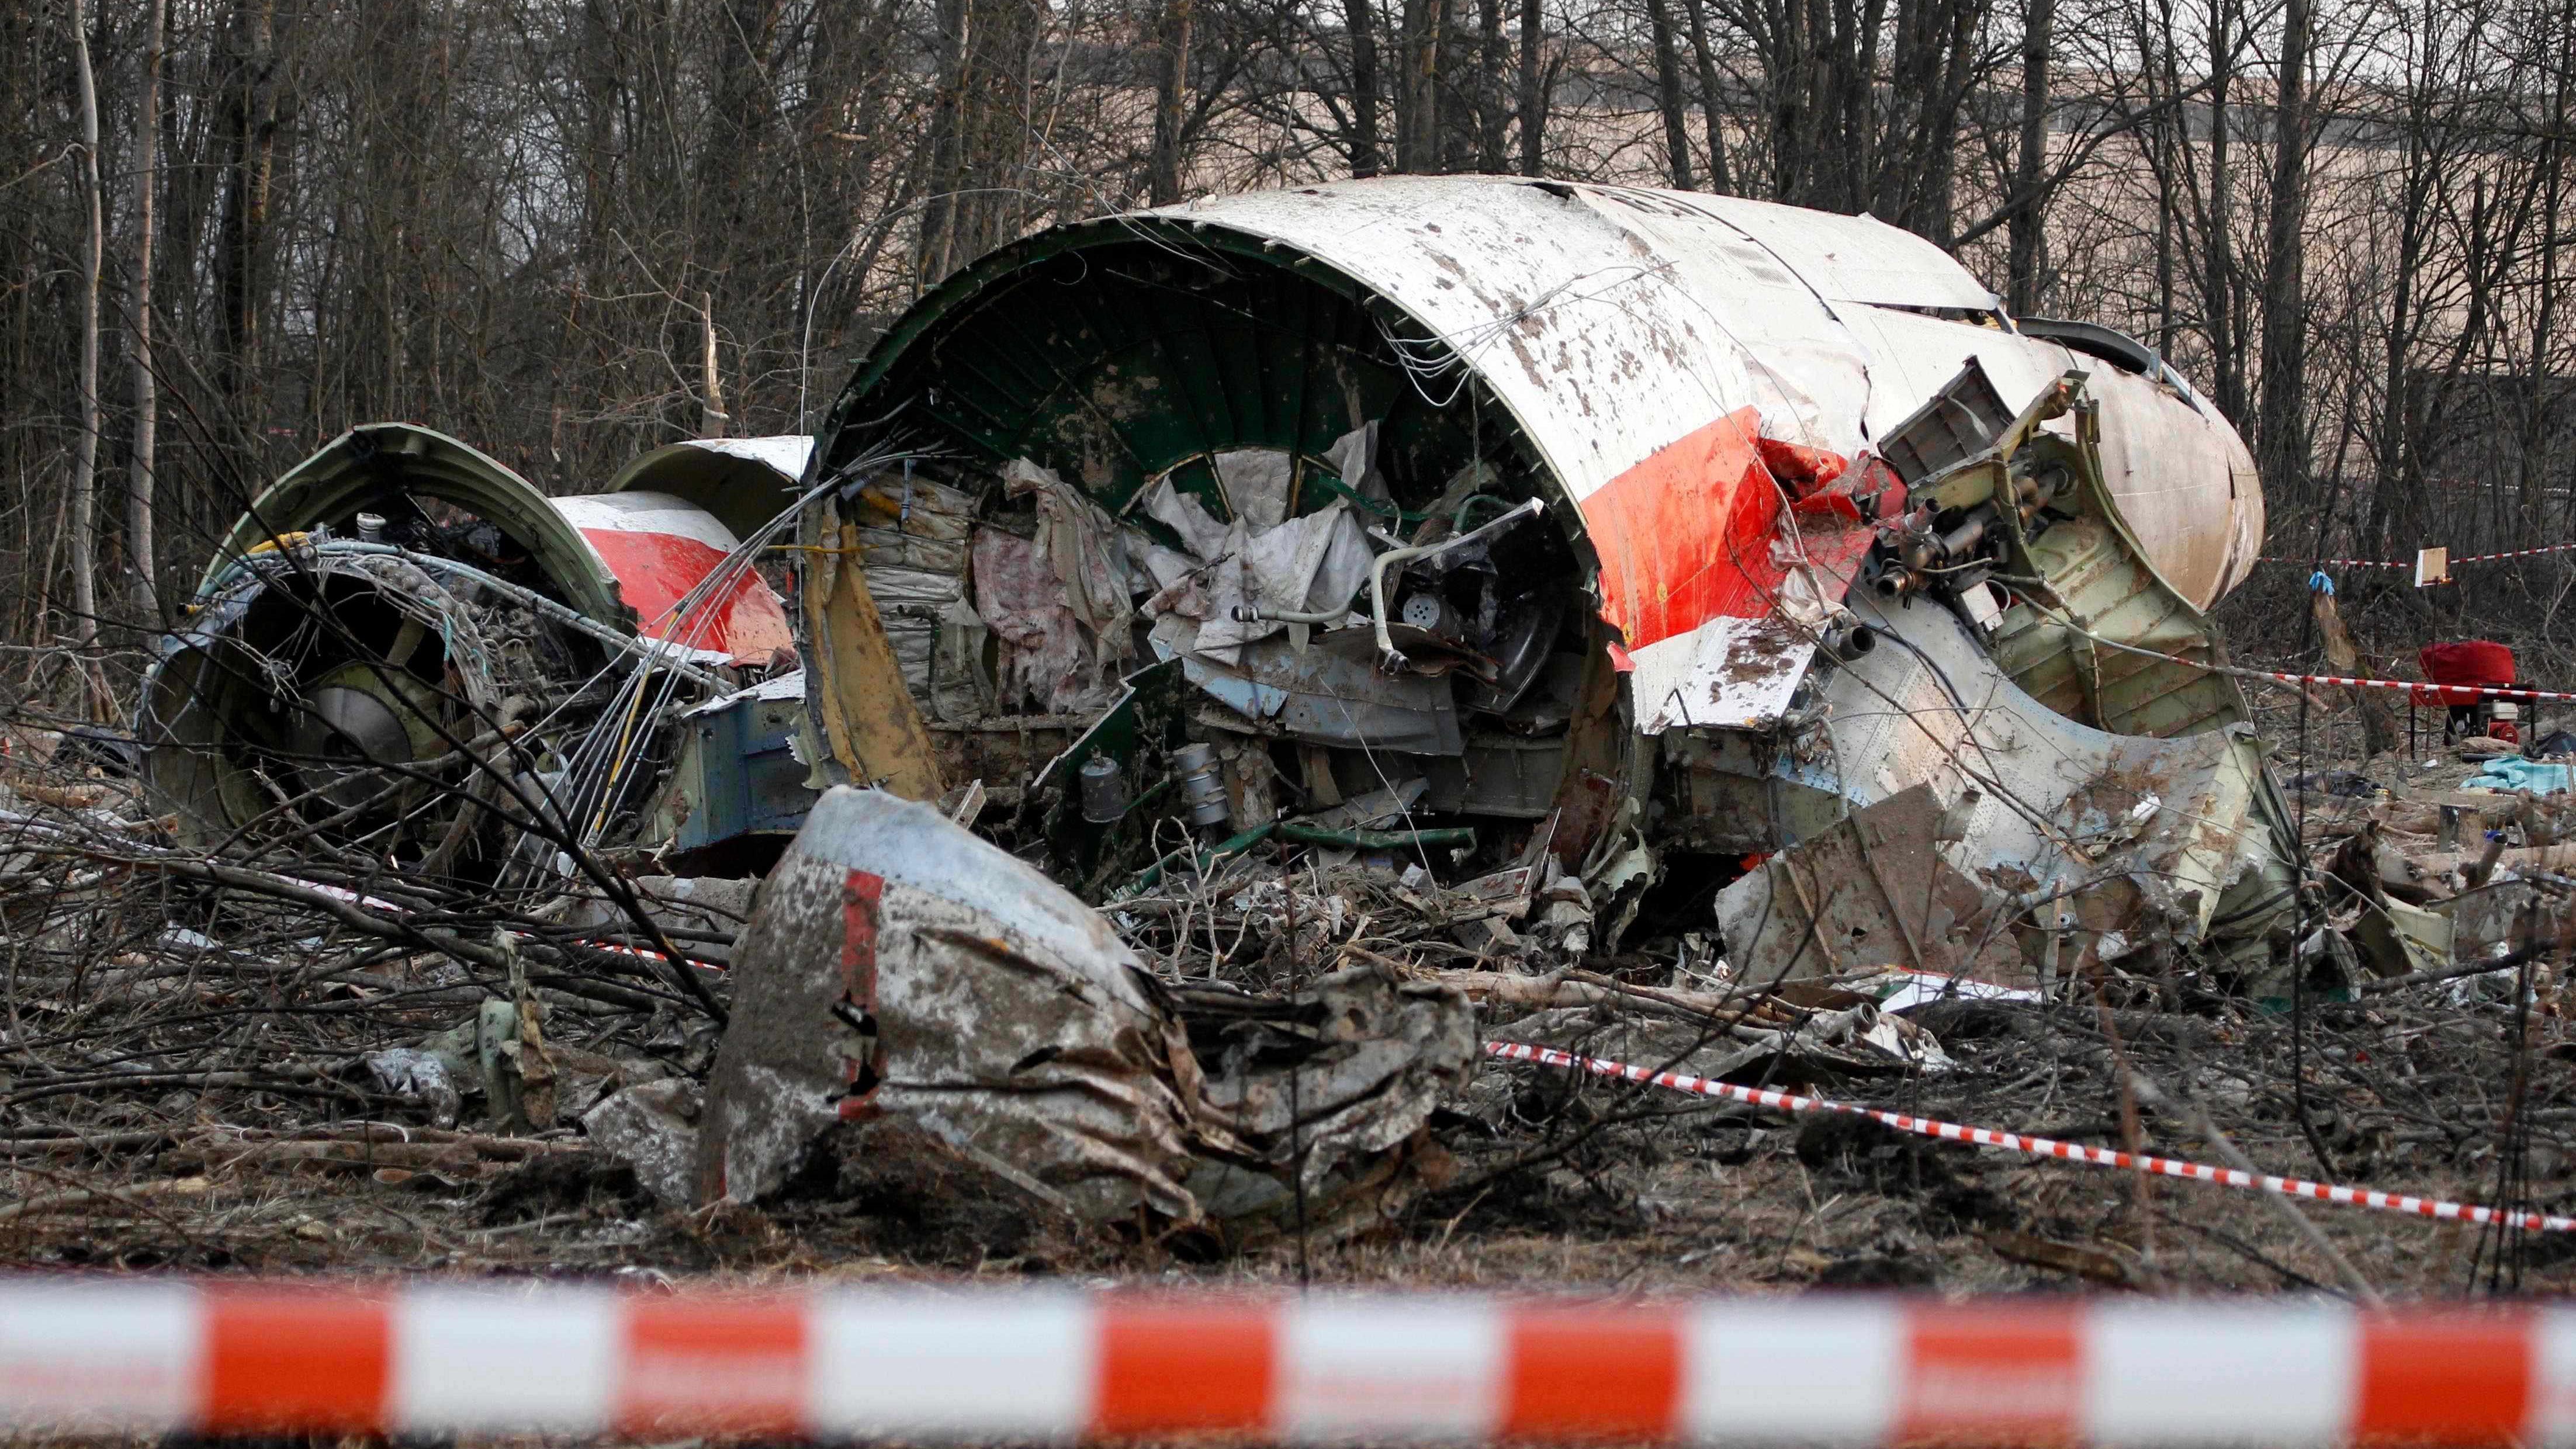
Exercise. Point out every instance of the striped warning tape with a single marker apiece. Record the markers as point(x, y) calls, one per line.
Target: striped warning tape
point(2423, 692)
point(2039, 1146)
point(91, 1356)
point(2408, 563)
point(2431, 693)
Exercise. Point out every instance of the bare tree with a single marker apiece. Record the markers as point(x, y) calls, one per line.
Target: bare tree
point(2281, 429)
point(84, 527)
point(139, 543)
point(1668, 94)
point(2022, 290)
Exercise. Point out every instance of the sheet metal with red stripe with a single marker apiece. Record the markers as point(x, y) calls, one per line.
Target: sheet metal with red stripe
point(661, 548)
point(123, 1355)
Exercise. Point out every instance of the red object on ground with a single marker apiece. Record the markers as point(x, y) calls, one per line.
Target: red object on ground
point(2464, 662)
point(2468, 661)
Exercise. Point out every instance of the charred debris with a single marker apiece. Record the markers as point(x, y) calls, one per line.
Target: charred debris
point(1213, 666)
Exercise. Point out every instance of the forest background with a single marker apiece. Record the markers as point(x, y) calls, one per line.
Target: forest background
point(230, 229)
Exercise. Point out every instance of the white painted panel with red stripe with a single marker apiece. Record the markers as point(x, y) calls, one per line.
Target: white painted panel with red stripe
point(661, 548)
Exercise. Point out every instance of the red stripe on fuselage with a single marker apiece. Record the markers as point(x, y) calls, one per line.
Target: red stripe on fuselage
point(1685, 536)
point(656, 570)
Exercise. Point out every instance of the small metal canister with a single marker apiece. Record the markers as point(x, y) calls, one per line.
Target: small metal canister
point(1104, 790)
point(1202, 787)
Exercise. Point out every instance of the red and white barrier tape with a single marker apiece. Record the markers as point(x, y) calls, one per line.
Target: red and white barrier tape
point(92, 1356)
point(2424, 693)
point(2430, 693)
point(2039, 1146)
point(2408, 563)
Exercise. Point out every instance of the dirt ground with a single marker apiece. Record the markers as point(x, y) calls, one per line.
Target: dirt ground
point(184, 1087)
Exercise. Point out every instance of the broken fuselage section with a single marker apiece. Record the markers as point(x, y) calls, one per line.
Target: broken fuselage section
point(406, 656)
point(1622, 535)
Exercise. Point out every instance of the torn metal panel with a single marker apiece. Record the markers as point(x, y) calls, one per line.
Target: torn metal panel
point(899, 965)
point(737, 773)
point(1332, 695)
point(1874, 889)
point(2178, 839)
point(854, 681)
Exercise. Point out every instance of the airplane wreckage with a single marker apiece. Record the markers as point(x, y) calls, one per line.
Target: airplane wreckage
point(1555, 545)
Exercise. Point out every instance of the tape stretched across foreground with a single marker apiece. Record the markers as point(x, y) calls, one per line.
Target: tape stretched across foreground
point(89, 1356)
point(2040, 1146)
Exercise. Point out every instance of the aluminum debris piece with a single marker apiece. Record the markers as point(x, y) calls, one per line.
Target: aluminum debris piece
point(899, 965)
point(1874, 889)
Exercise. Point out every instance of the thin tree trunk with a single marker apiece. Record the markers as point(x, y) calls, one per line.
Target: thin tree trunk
point(84, 501)
point(1712, 114)
point(2167, 178)
point(1359, 21)
point(2022, 284)
point(942, 212)
point(2218, 280)
point(1171, 93)
point(712, 416)
point(2534, 455)
point(1668, 94)
point(1533, 79)
point(251, 121)
point(139, 545)
point(2282, 429)
point(1492, 116)
point(1417, 126)
point(2378, 718)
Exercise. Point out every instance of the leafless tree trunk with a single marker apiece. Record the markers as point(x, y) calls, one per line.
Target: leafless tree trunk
point(947, 143)
point(2282, 429)
point(1712, 96)
point(1533, 98)
point(2022, 287)
point(1171, 94)
point(2218, 240)
point(1492, 58)
point(713, 417)
point(1359, 22)
point(249, 117)
point(1668, 94)
point(84, 498)
point(1417, 117)
point(139, 542)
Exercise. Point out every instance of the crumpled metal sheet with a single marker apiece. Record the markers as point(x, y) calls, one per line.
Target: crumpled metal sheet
point(898, 964)
point(1872, 890)
point(1004, 1013)
point(1332, 1085)
point(2156, 839)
